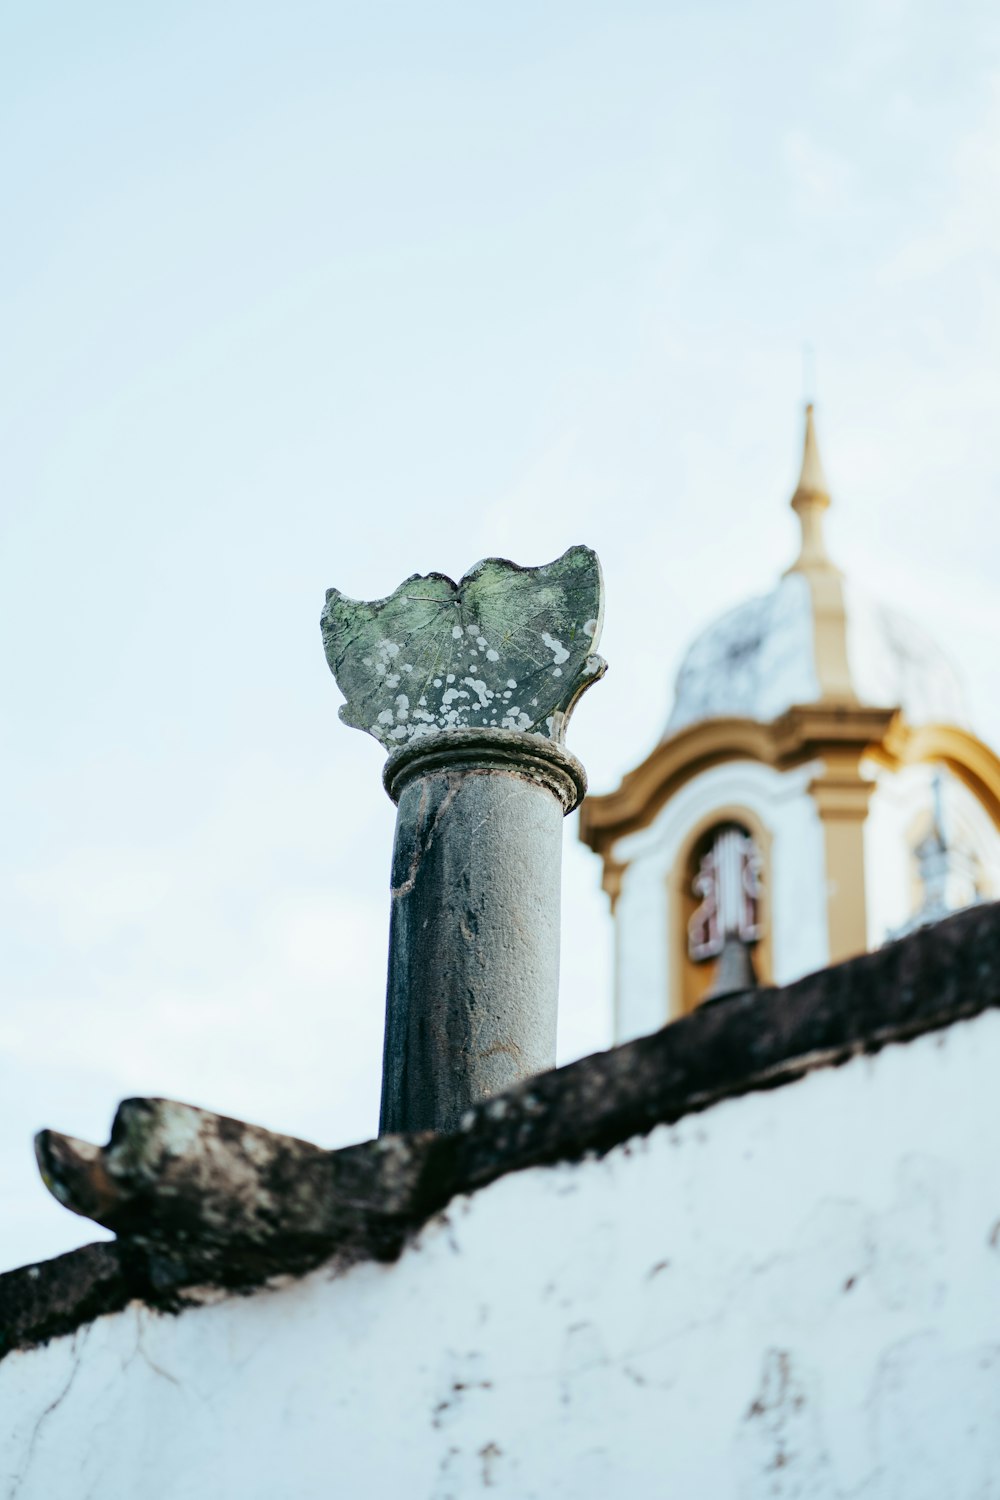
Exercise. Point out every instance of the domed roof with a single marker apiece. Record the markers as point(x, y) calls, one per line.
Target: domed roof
point(759, 659)
point(814, 638)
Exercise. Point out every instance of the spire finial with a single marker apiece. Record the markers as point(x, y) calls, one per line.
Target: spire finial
point(811, 499)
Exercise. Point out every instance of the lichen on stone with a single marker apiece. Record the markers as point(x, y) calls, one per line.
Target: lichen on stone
point(505, 648)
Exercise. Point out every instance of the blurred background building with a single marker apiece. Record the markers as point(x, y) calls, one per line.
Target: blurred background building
point(817, 791)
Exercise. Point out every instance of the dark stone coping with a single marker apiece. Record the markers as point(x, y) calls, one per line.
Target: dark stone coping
point(376, 1195)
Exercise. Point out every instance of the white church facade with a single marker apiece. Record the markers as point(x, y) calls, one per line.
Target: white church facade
point(817, 792)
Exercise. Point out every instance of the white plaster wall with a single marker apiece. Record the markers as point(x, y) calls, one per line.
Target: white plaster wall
point(899, 800)
point(796, 900)
point(793, 1294)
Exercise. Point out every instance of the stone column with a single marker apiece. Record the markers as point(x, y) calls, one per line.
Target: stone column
point(470, 686)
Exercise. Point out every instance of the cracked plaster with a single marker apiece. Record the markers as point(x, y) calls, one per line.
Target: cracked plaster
point(795, 1293)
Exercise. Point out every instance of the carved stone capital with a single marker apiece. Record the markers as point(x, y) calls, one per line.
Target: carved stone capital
point(505, 648)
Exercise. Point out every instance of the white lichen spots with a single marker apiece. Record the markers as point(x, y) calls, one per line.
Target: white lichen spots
point(559, 652)
point(473, 691)
point(397, 641)
point(386, 650)
point(549, 723)
point(177, 1128)
point(482, 692)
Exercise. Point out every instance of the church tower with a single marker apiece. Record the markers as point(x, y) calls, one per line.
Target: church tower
point(816, 792)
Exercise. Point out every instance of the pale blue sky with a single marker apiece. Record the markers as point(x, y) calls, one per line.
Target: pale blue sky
point(309, 294)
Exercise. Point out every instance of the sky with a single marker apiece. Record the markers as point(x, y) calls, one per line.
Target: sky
point(307, 295)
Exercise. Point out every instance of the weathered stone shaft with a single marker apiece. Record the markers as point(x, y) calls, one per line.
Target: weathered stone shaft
point(474, 938)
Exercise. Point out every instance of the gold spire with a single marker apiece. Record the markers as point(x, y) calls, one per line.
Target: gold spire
point(826, 582)
point(810, 500)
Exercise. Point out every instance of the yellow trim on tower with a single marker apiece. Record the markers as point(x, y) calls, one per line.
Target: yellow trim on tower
point(826, 582)
point(841, 737)
point(842, 796)
point(797, 736)
point(811, 499)
point(833, 672)
point(972, 761)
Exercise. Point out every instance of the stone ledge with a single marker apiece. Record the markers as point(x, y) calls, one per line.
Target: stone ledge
point(203, 1202)
point(57, 1296)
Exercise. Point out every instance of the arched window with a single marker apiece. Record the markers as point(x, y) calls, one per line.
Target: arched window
point(728, 883)
point(946, 871)
point(721, 890)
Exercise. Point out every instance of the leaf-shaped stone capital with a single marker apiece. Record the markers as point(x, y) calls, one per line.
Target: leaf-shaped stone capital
point(505, 648)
